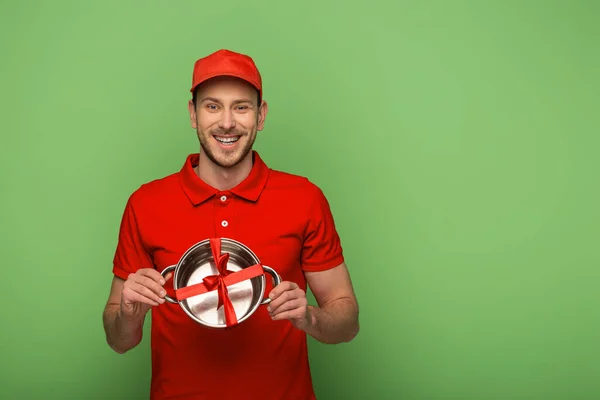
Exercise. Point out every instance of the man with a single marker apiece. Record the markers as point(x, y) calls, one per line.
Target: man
point(226, 190)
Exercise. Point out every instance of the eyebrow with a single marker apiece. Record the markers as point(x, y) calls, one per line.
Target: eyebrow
point(219, 101)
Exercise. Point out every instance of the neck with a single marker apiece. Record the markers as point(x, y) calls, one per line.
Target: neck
point(223, 178)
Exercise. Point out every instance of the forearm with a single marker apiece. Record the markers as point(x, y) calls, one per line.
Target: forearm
point(334, 322)
point(122, 334)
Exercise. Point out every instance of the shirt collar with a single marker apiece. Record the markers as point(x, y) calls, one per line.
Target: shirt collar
point(199, 191)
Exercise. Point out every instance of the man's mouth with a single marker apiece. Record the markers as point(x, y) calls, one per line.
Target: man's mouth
point(227, 140)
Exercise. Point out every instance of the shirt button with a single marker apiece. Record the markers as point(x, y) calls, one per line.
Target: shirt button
point(224, 223)
point(223, 198)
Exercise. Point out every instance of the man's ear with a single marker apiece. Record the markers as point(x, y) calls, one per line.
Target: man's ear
point(192, 111)
point(262, 115)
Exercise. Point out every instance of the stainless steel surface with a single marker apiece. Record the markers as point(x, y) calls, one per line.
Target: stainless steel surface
point(164, 274)
point(276, 281)
point(198, 262)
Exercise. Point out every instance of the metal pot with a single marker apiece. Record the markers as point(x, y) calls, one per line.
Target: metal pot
point(219, 282)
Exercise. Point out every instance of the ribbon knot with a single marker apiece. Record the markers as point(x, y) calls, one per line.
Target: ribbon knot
point(217, 282)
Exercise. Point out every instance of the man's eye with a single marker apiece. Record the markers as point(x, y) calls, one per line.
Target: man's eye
point(211, 106)
point(242, 108)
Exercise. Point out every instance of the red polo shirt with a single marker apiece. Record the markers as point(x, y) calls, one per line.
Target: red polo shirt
point(286, 221)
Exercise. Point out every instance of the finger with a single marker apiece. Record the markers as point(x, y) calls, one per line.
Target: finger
point(282, 288)
point(150, 284)
point(288, 306)
point(152, 274)
point(146, 292)
point(297, 313)
point(132, 297)
point(286, 297)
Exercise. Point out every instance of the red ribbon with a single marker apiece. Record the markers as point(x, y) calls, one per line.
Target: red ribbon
point(220, 281)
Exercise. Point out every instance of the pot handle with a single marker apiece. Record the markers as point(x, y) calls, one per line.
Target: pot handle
point(276, 281)
point(164, 274)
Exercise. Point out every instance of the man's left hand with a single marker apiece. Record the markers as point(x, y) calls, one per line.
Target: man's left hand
point(288, 301)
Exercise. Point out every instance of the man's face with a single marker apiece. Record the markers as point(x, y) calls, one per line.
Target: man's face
point(227, 117)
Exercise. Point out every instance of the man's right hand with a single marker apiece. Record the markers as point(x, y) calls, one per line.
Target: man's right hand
point(142, 290)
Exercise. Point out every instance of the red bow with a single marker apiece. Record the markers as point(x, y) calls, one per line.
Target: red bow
point(220, 281)
point(213, 282)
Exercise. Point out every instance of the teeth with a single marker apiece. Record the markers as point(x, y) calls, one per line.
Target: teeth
point(227, 140)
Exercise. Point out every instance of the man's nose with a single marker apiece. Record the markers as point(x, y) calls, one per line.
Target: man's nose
point(227, 120)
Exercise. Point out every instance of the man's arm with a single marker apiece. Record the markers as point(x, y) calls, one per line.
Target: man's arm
point(127, 305)
point(122, 334)
point(334, 320)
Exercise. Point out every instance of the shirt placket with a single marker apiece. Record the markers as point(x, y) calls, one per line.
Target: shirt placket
point(223, 214)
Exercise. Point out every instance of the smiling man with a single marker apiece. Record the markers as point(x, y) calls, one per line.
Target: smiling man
point(226, 190)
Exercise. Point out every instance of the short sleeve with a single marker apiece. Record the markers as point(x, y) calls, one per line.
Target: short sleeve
point(321, 249)
point(130, 254)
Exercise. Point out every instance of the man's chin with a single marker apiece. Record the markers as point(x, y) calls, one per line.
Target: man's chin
point(226, 160)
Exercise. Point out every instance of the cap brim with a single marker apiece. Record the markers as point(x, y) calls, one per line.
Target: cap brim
point(231, 74)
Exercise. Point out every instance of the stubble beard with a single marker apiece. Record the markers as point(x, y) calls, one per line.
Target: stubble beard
point(206, 137)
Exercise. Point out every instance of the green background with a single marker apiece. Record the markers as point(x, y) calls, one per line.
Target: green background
point(457, 142)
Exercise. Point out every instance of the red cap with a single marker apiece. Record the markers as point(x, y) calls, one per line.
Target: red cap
point(226, 63)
